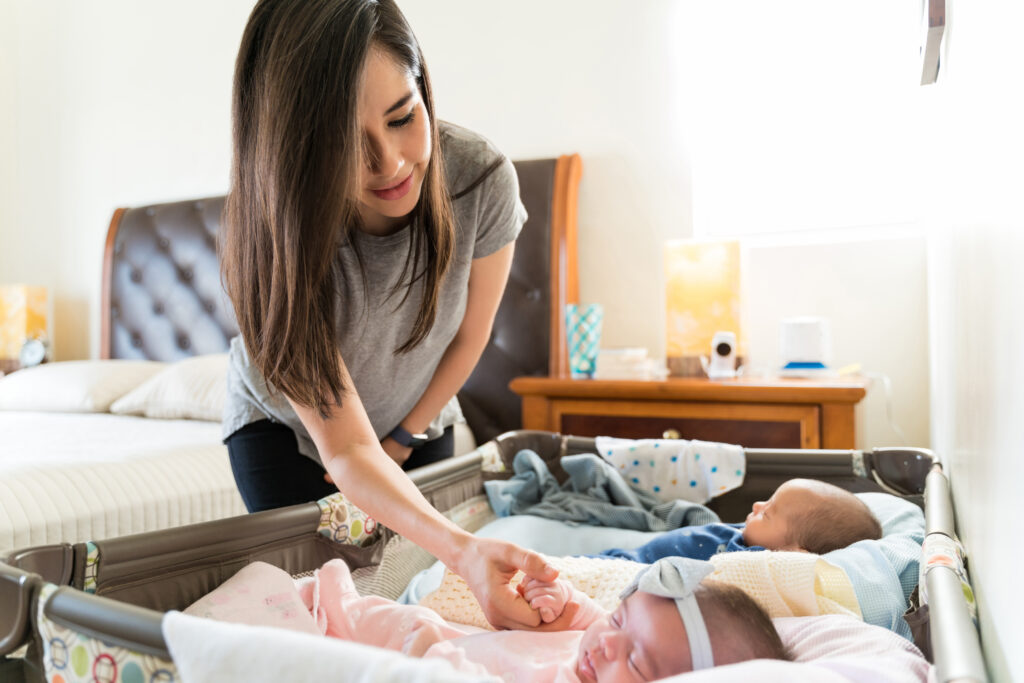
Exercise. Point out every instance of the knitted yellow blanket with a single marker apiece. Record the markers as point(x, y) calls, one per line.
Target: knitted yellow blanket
point(785, 584)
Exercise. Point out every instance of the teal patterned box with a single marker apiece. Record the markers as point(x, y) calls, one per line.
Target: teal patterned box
point(583, 333)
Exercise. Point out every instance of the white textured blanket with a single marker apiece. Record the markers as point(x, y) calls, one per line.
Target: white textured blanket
point(71, 477)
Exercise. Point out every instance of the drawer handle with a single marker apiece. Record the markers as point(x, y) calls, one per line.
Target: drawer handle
point(671, 434)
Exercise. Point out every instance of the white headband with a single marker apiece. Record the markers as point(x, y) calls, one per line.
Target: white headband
point(677, 578)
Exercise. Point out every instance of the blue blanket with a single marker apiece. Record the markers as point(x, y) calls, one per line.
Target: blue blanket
point(594, 493)
point(884, 572)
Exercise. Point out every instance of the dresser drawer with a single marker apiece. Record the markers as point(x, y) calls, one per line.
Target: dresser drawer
point(753, 412)
point(750, 425)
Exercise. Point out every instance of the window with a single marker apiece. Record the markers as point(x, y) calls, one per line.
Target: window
point(800, 114)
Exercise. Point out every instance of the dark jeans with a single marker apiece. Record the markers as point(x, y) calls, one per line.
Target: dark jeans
point(271, 473)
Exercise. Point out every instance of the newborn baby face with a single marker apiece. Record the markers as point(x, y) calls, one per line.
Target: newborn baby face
point(770, 523)
point(642, 640)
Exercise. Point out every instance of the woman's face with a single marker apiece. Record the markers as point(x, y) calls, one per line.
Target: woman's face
point(394, 122)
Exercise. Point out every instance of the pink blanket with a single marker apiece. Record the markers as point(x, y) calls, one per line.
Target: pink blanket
point(827, 649)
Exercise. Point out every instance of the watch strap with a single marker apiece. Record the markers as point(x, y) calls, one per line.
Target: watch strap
point(402, 436)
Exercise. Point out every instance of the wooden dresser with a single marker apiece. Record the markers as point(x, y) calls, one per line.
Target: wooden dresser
point(753, 412)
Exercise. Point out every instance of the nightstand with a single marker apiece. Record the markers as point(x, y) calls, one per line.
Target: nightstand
point(752, 412)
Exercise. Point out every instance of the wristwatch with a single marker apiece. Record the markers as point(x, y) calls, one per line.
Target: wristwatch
point(403, 437)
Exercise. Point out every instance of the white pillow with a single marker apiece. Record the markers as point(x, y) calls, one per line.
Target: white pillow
point(80, 386)
point(827, 649)
point(192, 389)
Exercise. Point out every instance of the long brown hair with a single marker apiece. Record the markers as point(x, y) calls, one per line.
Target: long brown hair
point(292, 201)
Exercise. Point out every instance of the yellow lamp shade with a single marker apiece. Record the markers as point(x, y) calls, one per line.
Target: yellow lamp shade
point(703, 297)
point(22, 317)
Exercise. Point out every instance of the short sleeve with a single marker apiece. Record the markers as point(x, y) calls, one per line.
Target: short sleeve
point(502, 213)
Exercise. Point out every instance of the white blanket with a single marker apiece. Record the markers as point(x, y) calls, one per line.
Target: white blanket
point(71, 477)
point(696, 471)
point(207, 651)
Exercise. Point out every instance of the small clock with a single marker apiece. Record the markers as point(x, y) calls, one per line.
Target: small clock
point(33, 352)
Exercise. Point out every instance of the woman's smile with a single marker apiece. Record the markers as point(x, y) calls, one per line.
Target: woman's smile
point(397, 190)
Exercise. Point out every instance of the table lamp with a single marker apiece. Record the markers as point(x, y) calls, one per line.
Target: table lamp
point(703, 298)
point(22, 326)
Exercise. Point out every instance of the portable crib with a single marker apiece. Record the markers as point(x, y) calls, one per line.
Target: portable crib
point(119, 600)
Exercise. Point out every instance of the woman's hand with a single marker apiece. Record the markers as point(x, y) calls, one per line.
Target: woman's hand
point(488, 566)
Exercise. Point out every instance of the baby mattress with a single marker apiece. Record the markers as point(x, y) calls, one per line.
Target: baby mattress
point(94, 611)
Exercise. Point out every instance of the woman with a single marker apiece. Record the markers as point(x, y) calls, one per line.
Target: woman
point(366, 249)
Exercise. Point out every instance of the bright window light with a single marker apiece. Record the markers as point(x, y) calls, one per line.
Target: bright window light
point(800, 114)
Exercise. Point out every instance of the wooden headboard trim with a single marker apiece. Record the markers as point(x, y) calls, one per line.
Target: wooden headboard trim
point(106, 343)
point(565, 284)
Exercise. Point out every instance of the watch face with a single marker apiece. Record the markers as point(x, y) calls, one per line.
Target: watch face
point(33, 352)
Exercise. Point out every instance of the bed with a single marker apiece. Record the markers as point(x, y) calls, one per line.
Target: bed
point(130, 443)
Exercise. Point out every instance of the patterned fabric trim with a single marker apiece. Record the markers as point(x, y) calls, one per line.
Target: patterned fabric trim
point(492, 461)
point(343, 522)
point(857, 462)
point(939, 550)
point(472, 514)
point(71, 657)
point(92, 567)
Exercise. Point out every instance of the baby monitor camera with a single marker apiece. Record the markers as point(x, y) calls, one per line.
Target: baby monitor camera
point(723, 356)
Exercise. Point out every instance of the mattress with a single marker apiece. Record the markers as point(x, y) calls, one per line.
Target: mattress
point(70, 477)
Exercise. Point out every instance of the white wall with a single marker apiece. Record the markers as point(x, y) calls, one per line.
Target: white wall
point(609, 79)
point(545, 78)
point(119, 103)
point(977, 307)
point(874, 294)
point(110, 104)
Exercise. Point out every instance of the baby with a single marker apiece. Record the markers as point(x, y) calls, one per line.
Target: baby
point(668, 622)
point(803, 515)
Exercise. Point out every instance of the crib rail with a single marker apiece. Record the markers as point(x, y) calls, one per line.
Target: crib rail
point(954, 635)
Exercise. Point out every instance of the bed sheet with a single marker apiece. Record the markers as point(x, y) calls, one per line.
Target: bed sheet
point(73, 477)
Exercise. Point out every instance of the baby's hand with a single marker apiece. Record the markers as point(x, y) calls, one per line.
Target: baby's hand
point(547, 597)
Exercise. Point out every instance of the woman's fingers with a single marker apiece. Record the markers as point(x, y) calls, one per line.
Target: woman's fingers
point(563, 621)
point(505, 608)
point(533, 564)
point(497, 562)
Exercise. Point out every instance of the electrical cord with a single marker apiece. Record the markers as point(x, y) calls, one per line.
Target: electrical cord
point(887, 386)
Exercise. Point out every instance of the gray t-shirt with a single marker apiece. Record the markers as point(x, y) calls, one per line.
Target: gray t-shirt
point(487, 217)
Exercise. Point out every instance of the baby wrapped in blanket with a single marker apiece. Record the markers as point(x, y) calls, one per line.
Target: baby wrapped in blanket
point(668, 622)
point(801, 515)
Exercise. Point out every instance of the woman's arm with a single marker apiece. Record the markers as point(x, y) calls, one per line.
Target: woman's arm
point(373, 482)
point(487, 278)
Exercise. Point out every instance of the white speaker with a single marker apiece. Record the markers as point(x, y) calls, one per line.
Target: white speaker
point(805, 345)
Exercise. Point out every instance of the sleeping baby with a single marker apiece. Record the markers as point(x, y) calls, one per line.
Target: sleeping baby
point(668, 622)
point(802, 515)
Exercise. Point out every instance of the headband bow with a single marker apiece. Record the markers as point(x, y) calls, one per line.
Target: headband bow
point(677, 578)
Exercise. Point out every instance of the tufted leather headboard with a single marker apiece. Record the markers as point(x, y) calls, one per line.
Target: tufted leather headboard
point(163, 298)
